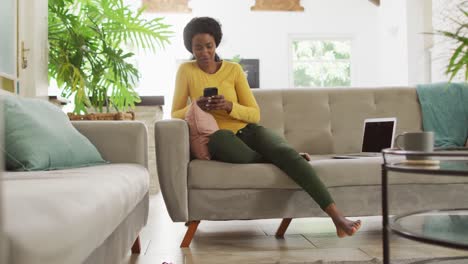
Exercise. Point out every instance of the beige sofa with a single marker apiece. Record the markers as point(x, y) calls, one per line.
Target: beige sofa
point(83, 215)
point(321, 122)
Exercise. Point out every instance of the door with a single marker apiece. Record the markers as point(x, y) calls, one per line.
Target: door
point(32, 48)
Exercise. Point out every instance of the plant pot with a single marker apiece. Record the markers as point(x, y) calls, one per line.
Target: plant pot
point(103, 116)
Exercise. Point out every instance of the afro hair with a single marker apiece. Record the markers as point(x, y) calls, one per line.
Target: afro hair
point(201, 25)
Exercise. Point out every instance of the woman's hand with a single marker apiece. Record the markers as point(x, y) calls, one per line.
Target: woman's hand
point(202, 102)
point(216, 102)
point(305, 155)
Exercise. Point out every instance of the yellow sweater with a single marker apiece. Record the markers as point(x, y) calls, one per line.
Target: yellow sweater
point(230, 81)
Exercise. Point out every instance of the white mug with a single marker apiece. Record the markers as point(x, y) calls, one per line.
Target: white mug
point(416, 141)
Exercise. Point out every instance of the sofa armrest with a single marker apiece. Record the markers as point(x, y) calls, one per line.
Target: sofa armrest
point(117, 141)
point(173, 157)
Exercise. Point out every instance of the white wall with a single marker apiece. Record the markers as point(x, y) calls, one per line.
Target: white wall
point(393, 39)
point(410, 53)
point(387, 49)
point(265, 35)
point(419, 34)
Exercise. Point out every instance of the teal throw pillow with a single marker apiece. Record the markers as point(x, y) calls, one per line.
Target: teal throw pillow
point(39, 136)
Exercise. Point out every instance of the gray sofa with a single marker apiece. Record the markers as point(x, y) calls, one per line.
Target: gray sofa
point(322, 122)
point(82, 215)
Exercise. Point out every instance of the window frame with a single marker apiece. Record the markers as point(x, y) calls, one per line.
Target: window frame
point(315, 37)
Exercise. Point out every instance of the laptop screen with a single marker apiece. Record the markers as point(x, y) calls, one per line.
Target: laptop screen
point(378, 135)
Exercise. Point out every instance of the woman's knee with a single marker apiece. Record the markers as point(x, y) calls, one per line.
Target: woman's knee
point(284, 150)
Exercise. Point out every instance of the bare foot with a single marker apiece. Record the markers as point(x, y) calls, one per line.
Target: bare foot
point(345, 227)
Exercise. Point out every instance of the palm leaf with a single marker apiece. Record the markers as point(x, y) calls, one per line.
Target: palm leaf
point(86, 57)
point(459, 59)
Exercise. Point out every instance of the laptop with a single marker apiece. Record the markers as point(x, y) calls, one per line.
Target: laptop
point(378, 134)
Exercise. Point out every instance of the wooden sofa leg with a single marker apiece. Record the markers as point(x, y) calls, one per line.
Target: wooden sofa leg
point(192, 228)
point(282, 228)
point(136, 247)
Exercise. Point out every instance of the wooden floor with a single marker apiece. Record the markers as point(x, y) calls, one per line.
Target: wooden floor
point(254, 241)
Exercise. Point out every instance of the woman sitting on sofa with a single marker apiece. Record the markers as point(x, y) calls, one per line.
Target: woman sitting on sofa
point(240, 139)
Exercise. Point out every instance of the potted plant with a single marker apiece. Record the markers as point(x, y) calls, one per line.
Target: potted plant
point(459, 59)
point(88, 56)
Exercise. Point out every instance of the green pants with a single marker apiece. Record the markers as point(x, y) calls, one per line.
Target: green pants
point(257, 144)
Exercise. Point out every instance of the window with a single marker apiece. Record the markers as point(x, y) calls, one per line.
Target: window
point(321, 62)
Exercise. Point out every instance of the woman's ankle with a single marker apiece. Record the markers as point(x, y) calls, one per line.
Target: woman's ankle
point(332, 211)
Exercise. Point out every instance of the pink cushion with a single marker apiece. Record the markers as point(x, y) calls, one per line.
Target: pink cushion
point(201, 125)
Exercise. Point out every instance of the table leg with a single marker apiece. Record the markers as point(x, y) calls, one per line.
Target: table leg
point(385, 231)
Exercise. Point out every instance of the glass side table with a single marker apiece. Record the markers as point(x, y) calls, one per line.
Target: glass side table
point(448, 227)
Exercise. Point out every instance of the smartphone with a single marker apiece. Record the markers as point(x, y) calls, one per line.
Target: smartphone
point(210, 91)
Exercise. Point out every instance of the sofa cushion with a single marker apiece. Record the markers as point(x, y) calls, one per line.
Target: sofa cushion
point(320, 120)
point(62, 216)
point(333, 173)
point(39, 136)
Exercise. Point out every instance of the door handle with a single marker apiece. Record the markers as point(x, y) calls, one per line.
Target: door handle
point(24, 58)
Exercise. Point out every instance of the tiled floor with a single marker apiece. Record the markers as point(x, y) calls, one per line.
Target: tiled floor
point(253, 241)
